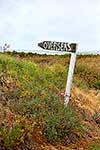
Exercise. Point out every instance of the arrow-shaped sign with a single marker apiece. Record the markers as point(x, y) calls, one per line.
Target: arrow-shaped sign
point(62, 46)
point(58, 46)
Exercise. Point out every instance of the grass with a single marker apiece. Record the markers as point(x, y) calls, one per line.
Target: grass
point(95, 146)
point(32, 85)
point(14, 135)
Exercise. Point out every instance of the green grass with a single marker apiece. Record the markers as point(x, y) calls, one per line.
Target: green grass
point(33, 83)
point(95, 146)
point(38, 75)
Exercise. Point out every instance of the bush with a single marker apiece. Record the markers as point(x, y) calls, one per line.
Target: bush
point(10, 136)
point(95, 146)
point(87, 76)
point(61, 123)
point(14, 135)
point(96, 117)
point(97, 85)
point(54, 118)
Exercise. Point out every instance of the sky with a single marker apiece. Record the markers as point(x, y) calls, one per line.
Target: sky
point(25, 23)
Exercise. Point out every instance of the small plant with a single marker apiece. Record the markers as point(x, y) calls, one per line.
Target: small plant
point(96, 117)
point(87, 76)
point(56, 120)
point(95, 146)
point(14, 135)
point(10, 136)
point(60, 123)
point(97, 85)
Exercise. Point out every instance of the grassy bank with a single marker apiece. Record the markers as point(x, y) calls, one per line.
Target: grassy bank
point(30, 92)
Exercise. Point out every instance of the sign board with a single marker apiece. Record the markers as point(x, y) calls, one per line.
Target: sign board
point(58, 46)
point(62, 46)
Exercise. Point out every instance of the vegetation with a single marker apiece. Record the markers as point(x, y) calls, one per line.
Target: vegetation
point(30, 90)
point(95, 146)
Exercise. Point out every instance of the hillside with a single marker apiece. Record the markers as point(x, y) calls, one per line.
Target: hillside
point(32, 115)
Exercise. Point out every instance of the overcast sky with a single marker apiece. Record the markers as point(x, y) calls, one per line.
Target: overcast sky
point(24, 23)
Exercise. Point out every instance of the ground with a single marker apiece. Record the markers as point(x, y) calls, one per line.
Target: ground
point(21, 81)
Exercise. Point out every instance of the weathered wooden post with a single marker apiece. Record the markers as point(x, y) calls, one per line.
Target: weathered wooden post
point(62, 46)
point(69, 79)
point(70, 74)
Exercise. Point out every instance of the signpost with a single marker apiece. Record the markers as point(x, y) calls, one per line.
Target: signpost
point(62, 46)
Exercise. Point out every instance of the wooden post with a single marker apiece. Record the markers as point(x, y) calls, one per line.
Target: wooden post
point(69, 80)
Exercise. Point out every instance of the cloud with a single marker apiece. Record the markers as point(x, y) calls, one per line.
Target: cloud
point(25, 23)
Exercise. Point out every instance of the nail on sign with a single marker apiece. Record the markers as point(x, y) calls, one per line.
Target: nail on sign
point(58, 46)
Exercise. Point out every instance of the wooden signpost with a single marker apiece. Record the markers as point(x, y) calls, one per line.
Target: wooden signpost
point(62, 46)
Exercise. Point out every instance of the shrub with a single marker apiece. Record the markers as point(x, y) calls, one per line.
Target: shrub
point(61, 123)
point(95, 146)
point(97, 85)
point(96, 117)
point(56, 120)
point(10, 136)
point(87, 76)
point(13, 136)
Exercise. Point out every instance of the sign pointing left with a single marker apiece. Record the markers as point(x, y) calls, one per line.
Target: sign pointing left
point(58, 46)
point(62, 46)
